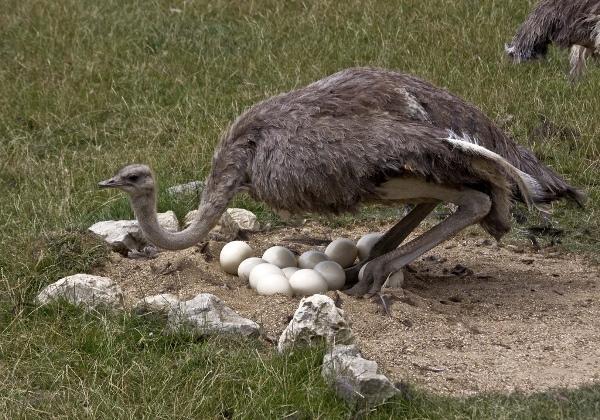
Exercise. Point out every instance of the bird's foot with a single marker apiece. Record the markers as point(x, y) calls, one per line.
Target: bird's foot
point(372, 280)
point(148, 252)
point(359, 289)
point(352, 274)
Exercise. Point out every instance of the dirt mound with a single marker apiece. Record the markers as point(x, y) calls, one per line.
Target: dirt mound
point(504, 319)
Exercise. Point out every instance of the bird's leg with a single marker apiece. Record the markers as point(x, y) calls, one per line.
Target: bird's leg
point(472, 207)
point(392, 238)
point(400, 231)
point(578, 58)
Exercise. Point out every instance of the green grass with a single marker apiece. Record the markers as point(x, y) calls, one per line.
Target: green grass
point(86, 87)
point(86, 365)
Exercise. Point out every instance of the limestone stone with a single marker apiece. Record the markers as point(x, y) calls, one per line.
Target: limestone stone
point(157, 304)
point(91, 292)
point(187, 188)
point(354, 378)
point(126, 235)
point(206, 314)
point(317, 319)
point(230, 223)
point(245, 219)
point(226, 228)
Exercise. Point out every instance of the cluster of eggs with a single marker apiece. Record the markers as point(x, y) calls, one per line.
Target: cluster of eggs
point(278, 271)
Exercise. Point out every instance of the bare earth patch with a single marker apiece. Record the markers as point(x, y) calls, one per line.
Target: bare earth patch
point(515, 319)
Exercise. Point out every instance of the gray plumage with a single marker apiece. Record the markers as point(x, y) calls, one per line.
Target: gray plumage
point(566, 24)
point(327, 146)
point(331, 146)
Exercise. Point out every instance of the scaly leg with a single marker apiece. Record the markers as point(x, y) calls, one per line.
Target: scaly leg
point(400, 231)
point(472, 207)
point(392, 238)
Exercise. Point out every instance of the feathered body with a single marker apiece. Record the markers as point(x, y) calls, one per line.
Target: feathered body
point(565, 23)
point(329, 146)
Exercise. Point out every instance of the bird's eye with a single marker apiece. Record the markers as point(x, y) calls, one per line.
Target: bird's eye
point(132, 178)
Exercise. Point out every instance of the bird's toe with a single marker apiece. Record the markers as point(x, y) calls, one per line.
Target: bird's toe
point(358, 290)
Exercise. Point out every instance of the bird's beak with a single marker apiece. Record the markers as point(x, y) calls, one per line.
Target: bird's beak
point(110, 183)
point(510, 51)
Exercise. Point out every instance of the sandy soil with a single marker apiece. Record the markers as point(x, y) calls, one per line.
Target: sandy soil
point(511, 318)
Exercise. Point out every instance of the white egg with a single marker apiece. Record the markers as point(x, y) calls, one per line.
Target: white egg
point(365, 244)
point(343, 251)
point(395, 280)
point(247, 265)
point(280, 256)
point(288, 271)
point(233, 254)
point(333, 273)
point(273, 284)
point(262, 270)
point(311, 258)
point(307, 282)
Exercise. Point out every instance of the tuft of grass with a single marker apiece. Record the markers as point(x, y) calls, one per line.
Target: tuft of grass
point(55, 255)
point(72, 363)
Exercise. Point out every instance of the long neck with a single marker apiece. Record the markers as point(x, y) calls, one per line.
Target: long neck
point(231, 159)
point(210, 210)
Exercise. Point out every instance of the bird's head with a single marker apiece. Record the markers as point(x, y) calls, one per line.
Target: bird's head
point(510, 52)
point(515, 55)
point(520, 54)
point(134, 179)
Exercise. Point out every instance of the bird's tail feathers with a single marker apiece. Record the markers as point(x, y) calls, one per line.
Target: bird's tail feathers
point(554, 186)
point(531, 190)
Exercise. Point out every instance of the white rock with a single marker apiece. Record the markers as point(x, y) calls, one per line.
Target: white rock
point(157, 304)
point(280, 256)
point(230, 223)
point(245, 219)
point(226, 228)
point(232, 255)
point(395, 280)
point(262, 270)
point(317, 319)
point(91, 292)
point(289, 271)
point(366, 243)
point(309, 259)
point(274, 284)
point(125, 235)
point(355, 379)
point(189, 218)
point(246, 267)
point(206, 314)
point(306, 282)
point(168, 220)
point(121, 235)
point(188, 188)
point(333, 273)
point(343, 251)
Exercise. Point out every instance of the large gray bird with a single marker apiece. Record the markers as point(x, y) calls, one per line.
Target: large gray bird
point(571, 24)
point(357, 136)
